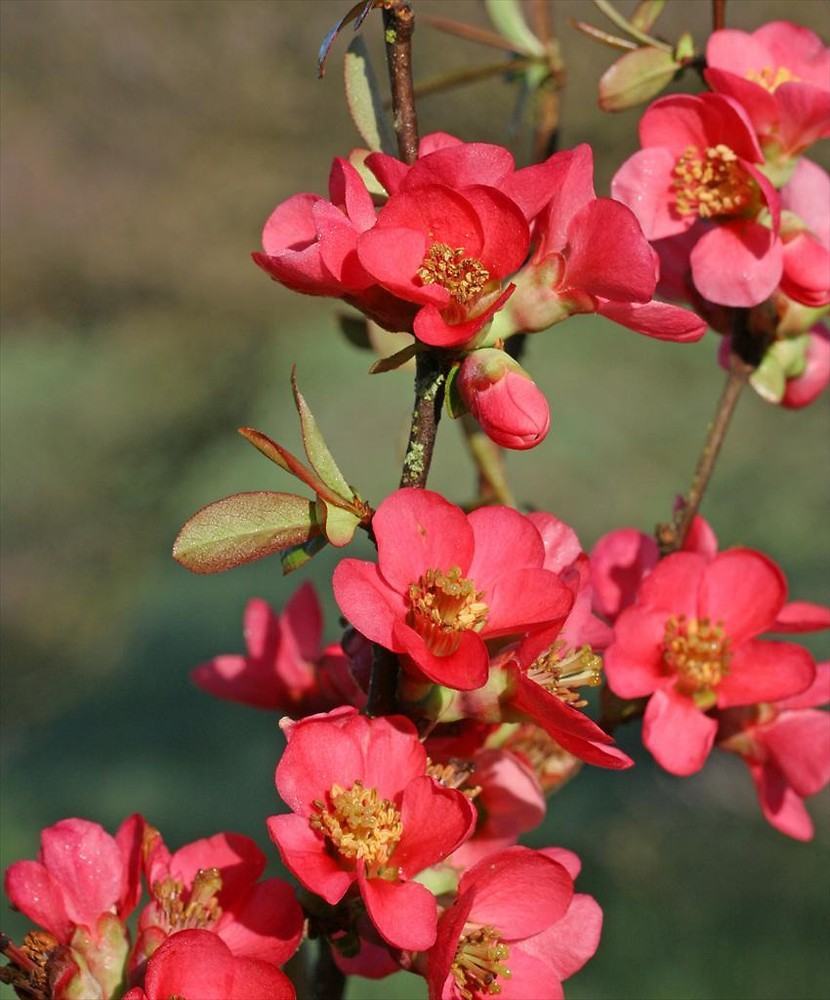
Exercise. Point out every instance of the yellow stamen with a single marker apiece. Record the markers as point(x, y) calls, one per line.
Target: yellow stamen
point(771, 78)
point(563, 673)
point(202, 908)
point(478, 963)
point(455, 773)
point(442, 606)
point(712, 183)
point(359, 823)
point(697, 651)
point(463, 277)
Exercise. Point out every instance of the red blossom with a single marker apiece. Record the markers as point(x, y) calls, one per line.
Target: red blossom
point(780, 74)
point(366, 813)
point(286, 668)
point(698, 170)
point(446, 581)
point(690, 642)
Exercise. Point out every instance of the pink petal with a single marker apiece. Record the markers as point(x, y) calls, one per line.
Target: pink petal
point(389, 170)
point(800, 743)
point(802, 616)
point(303, 617)
point(393, 754)
point(525, 599)
point(238, 678)
point(568, 859)
point(759, 103)
point(704, 120)
point(674, 584)
point(440, 958)
point(417, 530)
point(506, 233)
point(436, 820)
point(744, 590)
point(87, 864)
point(762, 670)
point(393, 255)
point(807, 194)
point(464, 670)
point(818, 693)
point(319, 755)
point(701, 538)
point(499, 533)
point(348, 192)
point(806, 271)
point(261, 629)
point(404, 913)
point(530, 977)
point(533, 187)
point(430, 326)
point(559, 539)
point(304, 854)
point(129, 837)
point(805, 115)
point(655, 319)
point(677, 733)
point(237, 857)
point(808, 386)
point(337, 238)
point(441, 214)
point(737, 264)
point(510, 795)
point(780, 804)
point(797, 48)
point(570, 942)
point(32, 890)
point(634, 662)
point(737, 51)
point(257, 980)
point(460, 166)
point(608, 254)
point(368, 602)
point(619, 561)
point(571, 187)
point(644, 184)
point(191, 963)
point(434, 141)
point(520, 892)
point(266, 923)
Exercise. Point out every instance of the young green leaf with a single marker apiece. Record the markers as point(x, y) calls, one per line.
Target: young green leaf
point(316, 449)
point(509, 21)
point(339, 525)
point(298, 555)
point(394, 360)
point(241, 528)
point(363, 99)
point(646, 14)
point(635, 78)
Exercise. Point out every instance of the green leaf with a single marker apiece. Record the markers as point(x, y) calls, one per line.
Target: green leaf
point(509, 21)
point(242, 528)
point(769, 379)
point(339, 525)
point(635, 78)
point(452, 397)
point(394, 361)
point(285, 460)
point(646, 14)
point(358, 14)
point(363, 99)
point(316, 449)
point(298, 555)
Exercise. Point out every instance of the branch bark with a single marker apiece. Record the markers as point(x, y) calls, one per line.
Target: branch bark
point(398, 27)
point(718, 15)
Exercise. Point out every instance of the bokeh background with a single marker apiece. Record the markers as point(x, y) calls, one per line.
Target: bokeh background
point(143, 146)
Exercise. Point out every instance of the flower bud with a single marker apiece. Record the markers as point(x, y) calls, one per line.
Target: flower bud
point(504, 399)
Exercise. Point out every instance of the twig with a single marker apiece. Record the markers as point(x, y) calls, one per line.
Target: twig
point(383, 682)
point(718, 15)
point(329, 982)
point(430, 378)
point(398, 26)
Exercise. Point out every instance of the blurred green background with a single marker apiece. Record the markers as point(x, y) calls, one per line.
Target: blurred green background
point(144, 144)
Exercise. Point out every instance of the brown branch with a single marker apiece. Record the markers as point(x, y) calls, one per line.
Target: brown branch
point(329, 982)
point(430, 378)
point(718, 15)
point(398, 27)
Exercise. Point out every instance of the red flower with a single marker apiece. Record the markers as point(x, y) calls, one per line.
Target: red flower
point(198, 965)
point(212, 885)
point(445, 581)
point(787, 749)
point(285, 667)
point(516, 929)
point(698, 168)
point(690, 642)
point(590, 255)
point(366, 812)
point(503, 398)
point(81, 890)
point(780, 74)
point(803, 389)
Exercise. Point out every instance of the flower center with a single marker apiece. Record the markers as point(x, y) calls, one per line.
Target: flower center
point(27, 972)
point(478, 963)
point(463, 277)
point(697, 651)
point(771, 78)
point(442, 606)
point(552, 764)
point(563, 672)
point(712, 183)
point(359, 823)
point(202, 908)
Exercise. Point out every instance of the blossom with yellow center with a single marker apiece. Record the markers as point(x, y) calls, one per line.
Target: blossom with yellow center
point(463, 277)
point(711, 183)
point(201, 910)
point(479, 963)
point(563, 672)
point(359, 823)
point(443, 605)
point(697, 651)
point(771, 78)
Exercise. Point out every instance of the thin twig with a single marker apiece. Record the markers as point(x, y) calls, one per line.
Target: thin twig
point(430, 378)
point(462, 77)
point(718, 15)
point(398, 26)
point(472, 33)
point(329, 982)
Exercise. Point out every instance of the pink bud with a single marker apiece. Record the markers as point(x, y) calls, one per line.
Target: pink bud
point(806, 387)
point(504, 399)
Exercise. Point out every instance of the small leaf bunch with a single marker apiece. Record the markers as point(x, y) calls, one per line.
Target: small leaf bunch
point(426, 740)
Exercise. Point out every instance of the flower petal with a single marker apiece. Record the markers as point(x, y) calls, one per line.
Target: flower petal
point(655, 319)
point(191, 963)
point(739, 263)
point(464, 670)
point(677, 733)
point(781, 805)
point(570, 942)
point(32, 890)
point(368, 602)
point(404, 913)
point(743, 589)
point(800, 743)
point(239, 860)
point(763, 670)
point(266, 923)
point(304, 854)
point(436, 820)
point(643, 183)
